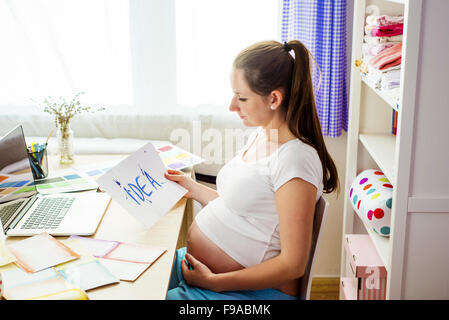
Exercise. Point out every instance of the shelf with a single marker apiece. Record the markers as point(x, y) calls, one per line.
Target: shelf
point(385, 95)
point(397, 1)
point(381, 243)
point(348, 289)
point(381, 147)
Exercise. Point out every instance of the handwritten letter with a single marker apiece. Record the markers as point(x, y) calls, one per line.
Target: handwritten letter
point(139, 186)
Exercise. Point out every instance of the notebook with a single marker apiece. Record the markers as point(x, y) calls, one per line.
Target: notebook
point(25, 212)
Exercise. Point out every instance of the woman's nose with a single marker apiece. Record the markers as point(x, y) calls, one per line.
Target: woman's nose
point(233, 106)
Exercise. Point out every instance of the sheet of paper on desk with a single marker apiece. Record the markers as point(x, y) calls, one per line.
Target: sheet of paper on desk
point(127, 271)
point(45, 284)
point(127, 261)
point(138, 184)
point(87, 272)
point(40, 252)
point(5, 255)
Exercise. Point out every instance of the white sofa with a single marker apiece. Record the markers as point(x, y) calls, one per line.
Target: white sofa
point(123, 131)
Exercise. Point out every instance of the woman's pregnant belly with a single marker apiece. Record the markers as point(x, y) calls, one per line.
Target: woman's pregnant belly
point(204, 250)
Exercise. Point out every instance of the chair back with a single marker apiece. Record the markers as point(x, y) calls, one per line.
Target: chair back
point(318, 223)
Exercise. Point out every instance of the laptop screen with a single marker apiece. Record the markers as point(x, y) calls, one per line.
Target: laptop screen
point(16, 178)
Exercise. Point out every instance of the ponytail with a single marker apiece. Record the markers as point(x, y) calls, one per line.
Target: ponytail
point(302, 117)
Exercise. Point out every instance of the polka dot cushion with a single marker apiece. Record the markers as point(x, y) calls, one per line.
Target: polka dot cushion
point(371, 197)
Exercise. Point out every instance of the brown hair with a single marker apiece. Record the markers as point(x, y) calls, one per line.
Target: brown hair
point(269, 66)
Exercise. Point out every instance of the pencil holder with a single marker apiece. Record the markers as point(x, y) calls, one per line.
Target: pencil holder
point(39, 163)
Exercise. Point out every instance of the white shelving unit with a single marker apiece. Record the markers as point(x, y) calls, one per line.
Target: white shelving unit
point(371, 143)
point(416, 160)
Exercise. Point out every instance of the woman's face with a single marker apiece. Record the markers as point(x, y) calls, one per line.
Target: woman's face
point(253, 109)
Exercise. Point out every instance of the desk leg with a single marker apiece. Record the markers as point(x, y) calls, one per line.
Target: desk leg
point(186, 222)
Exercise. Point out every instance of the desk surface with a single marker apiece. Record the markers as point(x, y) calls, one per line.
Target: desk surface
point(119, 225)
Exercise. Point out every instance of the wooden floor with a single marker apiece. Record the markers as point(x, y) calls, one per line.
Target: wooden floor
point(325, 289)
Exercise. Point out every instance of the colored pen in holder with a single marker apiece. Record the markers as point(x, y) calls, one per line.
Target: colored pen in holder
point(38, 161)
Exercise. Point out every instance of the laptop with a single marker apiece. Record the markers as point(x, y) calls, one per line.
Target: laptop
point(25, 212)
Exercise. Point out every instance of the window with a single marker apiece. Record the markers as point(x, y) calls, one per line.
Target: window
point(60, 47)
point(209, 34)
point(140, 53)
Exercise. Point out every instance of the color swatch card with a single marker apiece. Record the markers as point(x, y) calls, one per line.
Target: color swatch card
point(94, 170)
point(138, 184)
point(67, 180)
point(13, 186)
point(40, 252)
point(177, 158)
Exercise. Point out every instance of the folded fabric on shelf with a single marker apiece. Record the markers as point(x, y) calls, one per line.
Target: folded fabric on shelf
point(388, 58)
point(373, 40)
point(384, 20)
point(390, 79)
point(388, 85)
point(387, 31)
point(382, 79)
point(373, 49)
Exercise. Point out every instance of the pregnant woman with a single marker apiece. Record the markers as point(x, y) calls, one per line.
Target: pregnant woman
point(252, 238)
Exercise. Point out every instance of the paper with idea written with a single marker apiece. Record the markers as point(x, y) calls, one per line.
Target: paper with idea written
point(138, 184)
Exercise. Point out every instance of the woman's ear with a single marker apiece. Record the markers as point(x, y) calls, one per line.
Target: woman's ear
point(276, 97)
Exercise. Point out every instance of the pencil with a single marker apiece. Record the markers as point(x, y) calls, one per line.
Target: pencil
point(48, 138)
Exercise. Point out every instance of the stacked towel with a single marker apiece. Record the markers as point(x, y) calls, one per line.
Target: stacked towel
point(384, 20)
point(382, 51)
point(386, 79)
point(387, 58)
point(370, 50)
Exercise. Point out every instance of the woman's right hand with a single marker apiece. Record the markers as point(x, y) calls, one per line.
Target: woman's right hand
point(183, 180)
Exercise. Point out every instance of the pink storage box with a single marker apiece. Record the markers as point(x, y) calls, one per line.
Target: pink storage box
point(369, 276)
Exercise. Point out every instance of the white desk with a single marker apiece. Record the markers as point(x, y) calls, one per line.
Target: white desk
point(169, 232)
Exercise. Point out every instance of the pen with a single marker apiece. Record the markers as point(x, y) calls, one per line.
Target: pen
point(37, 169)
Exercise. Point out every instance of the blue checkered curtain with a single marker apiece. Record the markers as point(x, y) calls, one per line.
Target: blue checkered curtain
point(321, 26)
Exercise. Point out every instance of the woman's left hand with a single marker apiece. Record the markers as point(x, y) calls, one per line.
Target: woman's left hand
point(200, 276)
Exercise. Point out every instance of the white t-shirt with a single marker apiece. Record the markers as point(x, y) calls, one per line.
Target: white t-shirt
point(243, 220)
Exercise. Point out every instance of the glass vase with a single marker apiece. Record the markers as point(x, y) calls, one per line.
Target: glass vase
point(65, 138)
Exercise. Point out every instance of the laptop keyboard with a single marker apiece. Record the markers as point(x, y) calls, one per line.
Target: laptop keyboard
point(6, 212)
point(48, 214)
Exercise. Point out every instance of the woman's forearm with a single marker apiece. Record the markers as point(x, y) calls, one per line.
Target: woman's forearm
point(268, 274)
point(203, 194)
